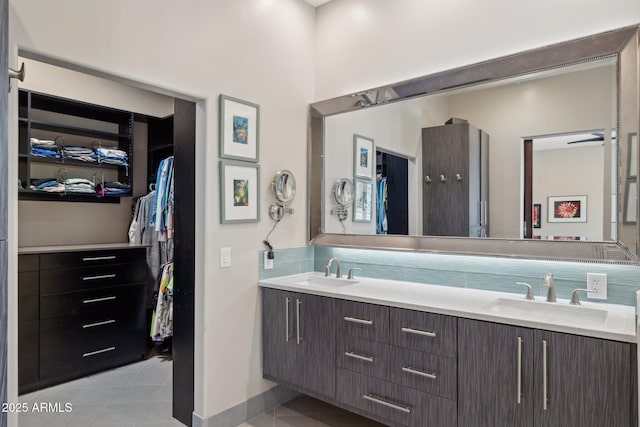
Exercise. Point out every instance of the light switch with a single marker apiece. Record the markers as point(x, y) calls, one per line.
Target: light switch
point(225, 257)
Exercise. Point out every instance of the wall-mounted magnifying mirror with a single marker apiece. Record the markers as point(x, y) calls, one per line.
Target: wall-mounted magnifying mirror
point(284, 190)
point(343, 195)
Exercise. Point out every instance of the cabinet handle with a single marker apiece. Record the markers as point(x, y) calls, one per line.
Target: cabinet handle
point(89, 301)
point(545, 357)
point(93, 353)
point(422, 374)
point(298, 337)
point(358, 356)
point(93, 325)
point(102, 276)
point(519, 387)
point(370, 397)
point(286, 317)
point(98, 258)
point(419, 332)
point(356, 320)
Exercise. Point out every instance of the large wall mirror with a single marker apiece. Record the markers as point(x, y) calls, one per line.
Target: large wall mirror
point(531, 155)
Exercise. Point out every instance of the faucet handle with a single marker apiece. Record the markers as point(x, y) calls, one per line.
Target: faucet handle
point(529, 290)
point(575, 299)
point(351, 270)
point(326, 271)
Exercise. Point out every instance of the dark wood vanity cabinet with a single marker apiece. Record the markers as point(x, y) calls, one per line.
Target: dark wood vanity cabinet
point(79, 312)
point(298, 341)
point(514, 376)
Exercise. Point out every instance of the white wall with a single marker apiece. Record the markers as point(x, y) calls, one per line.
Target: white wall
point(558, 173)
point(258, 50)
point(365, 44)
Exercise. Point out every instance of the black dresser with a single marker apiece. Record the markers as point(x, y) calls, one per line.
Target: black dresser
point(81, 309)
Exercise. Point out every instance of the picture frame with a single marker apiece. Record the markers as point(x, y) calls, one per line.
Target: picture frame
point(536, 216)
point(567, 209)
point(239, 192)
point(363, 201)
point(239, 129)
point(632, 156)
point(363, 157)
point(630, 211)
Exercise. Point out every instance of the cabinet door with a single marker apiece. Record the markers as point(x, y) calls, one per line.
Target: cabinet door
point(492, 360)
point(314, 344)
point(588, 381)
point(277, 338)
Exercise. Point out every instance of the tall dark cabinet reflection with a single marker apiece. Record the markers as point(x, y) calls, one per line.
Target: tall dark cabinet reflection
point(455, 186)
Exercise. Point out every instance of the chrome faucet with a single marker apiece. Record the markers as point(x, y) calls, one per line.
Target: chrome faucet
point(327, 268)
point(548, 283)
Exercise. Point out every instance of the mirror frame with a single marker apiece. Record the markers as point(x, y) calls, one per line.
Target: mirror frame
point(608, 44)
point(277, 184)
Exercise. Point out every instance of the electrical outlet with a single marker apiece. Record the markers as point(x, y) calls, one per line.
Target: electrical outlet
point(268, 261)
point(597, 285)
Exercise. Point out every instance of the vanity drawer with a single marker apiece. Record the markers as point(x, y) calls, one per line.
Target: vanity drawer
point(358, 319)
point(395, 404)
point(423, 371)
point(112, 299)
point(76, 279)
point(364, 356)
point(51, 261)
point(428, 332)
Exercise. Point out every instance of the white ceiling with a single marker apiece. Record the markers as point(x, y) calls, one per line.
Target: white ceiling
point(316, 3)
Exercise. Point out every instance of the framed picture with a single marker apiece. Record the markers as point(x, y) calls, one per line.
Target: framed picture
point(567, 209)
point(536, 215)
point(239, 191)
point(632, 156)
point(630, 211)
point(239, 129)
point(364, 158)
point(362, 203)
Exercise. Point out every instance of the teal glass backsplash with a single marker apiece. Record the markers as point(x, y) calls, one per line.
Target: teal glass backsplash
point(498, 274)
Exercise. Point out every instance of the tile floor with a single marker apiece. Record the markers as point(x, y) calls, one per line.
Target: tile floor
point(139, 395)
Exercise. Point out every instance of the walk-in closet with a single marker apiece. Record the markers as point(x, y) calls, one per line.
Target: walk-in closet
point(99, 181)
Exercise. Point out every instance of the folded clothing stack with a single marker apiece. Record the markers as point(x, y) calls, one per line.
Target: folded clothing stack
point(83, 154)
point(112, 156)
point(44, 148)
point(113, 188)
point(79, 185)
point(49, 185)
point(48, 148)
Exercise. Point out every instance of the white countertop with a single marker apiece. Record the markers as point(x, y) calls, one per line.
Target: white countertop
point(609, 321)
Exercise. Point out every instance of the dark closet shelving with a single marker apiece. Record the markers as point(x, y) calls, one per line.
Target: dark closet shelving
point(75, 123)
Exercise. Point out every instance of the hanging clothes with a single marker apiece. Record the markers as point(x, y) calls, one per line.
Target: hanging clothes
point(162, 323)
point(381, 206)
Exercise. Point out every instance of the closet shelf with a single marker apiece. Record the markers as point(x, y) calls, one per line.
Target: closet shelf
point(74, 130)
point(70, 161)
point(68, 197)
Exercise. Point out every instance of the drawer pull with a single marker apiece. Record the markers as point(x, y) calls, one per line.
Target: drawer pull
point(370, 397)
point(93, 353)
point(102, 276)
point(419, 332)
point(89, 301)
point(422, 374)
point(358, 356)
point(356, 320)
point(93, 325)
point(98, 258)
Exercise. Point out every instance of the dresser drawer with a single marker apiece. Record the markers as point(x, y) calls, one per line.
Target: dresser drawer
point(364, 356)
point(52, 261)
point(80, 359)
point(112, 300)
point(27, 354)
point(431, 333)
point(92, 328)
point(425, 372)
point(76, 279)
point(28, 283)
point(395, 404)
point(368, 321)
point(28, 309)
point(28, 263)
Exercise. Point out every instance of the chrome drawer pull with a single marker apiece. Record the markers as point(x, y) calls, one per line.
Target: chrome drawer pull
point(89, 301)
point(419, 332)
point(298, 335)
point(519, 382)
point(93, 325)
point(286, 317)
point(103, 276)
point(98, 258)
point(356, 320)
point(93, 353)
point(422, 374)
point(370, 397)
point(545, 363)
point(358, 356)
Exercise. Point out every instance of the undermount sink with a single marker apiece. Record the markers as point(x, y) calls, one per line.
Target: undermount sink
point(548, 312)
point(321, 280)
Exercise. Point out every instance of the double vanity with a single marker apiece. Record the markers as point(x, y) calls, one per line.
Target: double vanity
point(412, 354)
